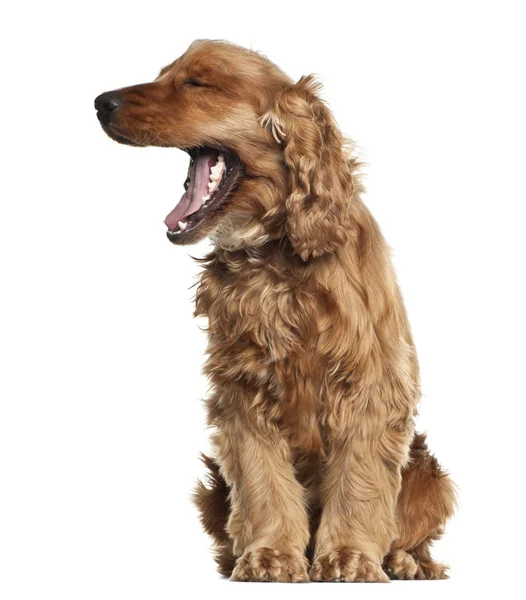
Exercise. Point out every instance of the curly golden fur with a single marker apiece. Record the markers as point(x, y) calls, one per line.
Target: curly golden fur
point(317, 472)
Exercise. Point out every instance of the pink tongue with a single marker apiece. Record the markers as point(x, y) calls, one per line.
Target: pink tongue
point(193, 197)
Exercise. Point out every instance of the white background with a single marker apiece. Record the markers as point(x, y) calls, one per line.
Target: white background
point(101, 421)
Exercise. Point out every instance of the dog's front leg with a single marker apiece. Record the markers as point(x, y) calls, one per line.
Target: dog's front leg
point(359, 492)
point(268, 522)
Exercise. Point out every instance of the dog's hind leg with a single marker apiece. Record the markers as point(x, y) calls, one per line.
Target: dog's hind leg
point(214, 507)
point(427, 500)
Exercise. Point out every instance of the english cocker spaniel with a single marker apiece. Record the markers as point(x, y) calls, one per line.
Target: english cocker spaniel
point(317, 471)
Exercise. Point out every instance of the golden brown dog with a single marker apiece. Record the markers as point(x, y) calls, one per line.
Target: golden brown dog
point(317, 470)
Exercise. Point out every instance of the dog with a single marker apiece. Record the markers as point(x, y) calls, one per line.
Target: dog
point(317, 472)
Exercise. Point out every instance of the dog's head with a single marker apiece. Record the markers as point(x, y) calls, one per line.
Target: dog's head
point(266, 158)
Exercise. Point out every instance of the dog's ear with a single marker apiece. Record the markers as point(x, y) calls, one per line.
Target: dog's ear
point(320, 182)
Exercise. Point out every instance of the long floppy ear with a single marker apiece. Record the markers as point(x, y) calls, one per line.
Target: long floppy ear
point(320, 180)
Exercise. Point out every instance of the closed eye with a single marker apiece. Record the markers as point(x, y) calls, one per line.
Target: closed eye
point(195, 83)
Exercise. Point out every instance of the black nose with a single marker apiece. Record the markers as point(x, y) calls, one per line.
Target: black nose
point(107, 105)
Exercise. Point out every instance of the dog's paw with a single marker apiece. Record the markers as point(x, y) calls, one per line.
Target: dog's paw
point(400, 565)
point(429, 569)
point(347, 564)
point(267, 564)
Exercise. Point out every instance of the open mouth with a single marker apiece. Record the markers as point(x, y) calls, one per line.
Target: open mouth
point(211, 176)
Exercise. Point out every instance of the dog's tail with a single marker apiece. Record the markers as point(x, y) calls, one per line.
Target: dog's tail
point(212, 501)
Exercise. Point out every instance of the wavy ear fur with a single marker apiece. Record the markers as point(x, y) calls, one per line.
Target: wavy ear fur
point(320, 181)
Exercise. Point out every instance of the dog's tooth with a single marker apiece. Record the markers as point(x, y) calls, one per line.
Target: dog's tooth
point(220, 159)
point(218, 167)
point(182, 225)
point(204, 199)
point(211, 186)
point(216, 172)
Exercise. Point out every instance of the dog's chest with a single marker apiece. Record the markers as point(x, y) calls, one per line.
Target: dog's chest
point(281, 315)
point(268, 332)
